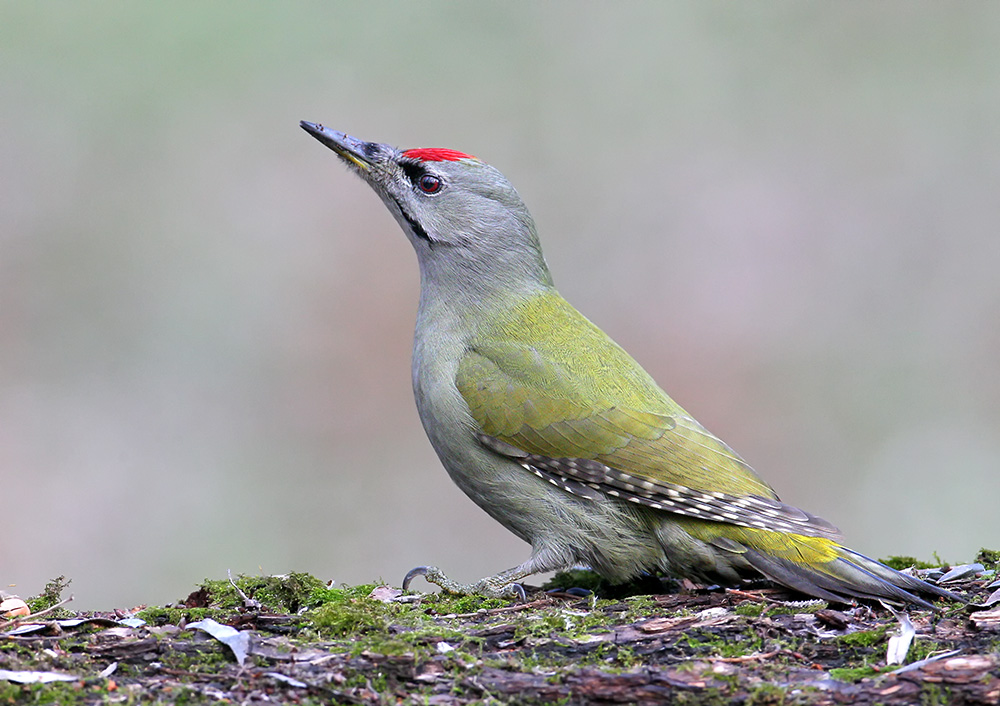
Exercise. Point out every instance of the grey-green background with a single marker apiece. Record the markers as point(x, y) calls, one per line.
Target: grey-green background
point(788, 212)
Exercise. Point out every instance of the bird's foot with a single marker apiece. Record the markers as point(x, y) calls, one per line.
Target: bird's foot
point(502, 585)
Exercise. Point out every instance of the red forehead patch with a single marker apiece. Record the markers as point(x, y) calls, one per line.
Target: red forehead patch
point(436, 154)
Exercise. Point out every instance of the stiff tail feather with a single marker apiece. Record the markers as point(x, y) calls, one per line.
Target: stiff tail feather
point(849, 576)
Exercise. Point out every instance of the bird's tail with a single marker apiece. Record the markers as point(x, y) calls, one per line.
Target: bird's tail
point(823, 568)
point(849, 575)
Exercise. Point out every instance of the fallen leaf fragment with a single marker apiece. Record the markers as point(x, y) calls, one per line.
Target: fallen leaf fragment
point(899, 645)
point(992, 598)
point(924, 662)
point(986, 619)
point(13, 608)
point(291, 681)
point(26, 628)
point(663, 624)
point(237, 641)
point(35, 677)
point(961, 573)
point(386, 594)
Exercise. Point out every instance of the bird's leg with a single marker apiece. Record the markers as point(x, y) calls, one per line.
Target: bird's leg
point(502, 585)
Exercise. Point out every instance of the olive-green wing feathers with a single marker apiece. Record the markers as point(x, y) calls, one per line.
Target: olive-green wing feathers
point(581, 413)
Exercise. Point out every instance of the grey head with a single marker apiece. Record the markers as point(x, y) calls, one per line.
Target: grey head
point(466, 222)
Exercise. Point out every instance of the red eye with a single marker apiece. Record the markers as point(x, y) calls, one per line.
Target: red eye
point(429, 184)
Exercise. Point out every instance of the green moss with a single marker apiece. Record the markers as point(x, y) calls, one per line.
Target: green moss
point(641, 605)
point(346, 620)
point(864, 638)
point(179, 616)
point(728, 648)
point(347, 611)
point(922, 648)
point(868, 654)
point(54, 693)
point(709, 644)
point(395, 638)
point(562, 623)
point(627, 658)
point(637, 608)
point(989, 558)
point(340, 594)
point(576, 578)
point(219, 600)
point(932, 694)
point(853, 674)
point(450, 604)
point(66, 693)
point(285, 593)
point(209, 657)
point(10, 693)
point(905, 562)
point(766, 695)
point(50, 595)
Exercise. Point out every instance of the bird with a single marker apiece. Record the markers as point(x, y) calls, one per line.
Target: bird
point(557, 432)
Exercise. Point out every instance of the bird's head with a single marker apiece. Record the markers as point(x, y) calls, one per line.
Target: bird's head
point(462, 216)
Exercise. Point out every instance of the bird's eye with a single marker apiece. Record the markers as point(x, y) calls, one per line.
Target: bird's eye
point(429, 184)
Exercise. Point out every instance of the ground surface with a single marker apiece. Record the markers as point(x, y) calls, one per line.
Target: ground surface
point(293, 639)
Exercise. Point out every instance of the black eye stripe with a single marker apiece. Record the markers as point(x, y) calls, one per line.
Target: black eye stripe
point(421, 178)
point(413, 171)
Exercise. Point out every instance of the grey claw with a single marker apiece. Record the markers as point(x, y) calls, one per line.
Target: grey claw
point(414, 573)
point(521, 595)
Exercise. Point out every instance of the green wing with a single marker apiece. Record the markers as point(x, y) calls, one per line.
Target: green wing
point(550, 389)
point(555, 385)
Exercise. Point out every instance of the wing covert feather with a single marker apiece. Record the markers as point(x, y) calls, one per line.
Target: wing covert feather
point(542, 396)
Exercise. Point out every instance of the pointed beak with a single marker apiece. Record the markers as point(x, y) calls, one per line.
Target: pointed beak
point(350, 149)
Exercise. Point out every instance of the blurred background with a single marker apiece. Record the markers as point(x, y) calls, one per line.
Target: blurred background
point(787, 212)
